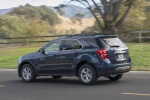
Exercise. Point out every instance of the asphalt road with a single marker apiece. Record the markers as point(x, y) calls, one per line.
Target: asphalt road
point(133, 86)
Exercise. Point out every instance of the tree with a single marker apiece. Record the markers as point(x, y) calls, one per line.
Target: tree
point(78, 16)
point(137, 18)
point(108, 11)
point(13, 26)
point(61, 12)
point(31, 12)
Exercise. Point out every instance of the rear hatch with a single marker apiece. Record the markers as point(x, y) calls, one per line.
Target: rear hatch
point(118, 52)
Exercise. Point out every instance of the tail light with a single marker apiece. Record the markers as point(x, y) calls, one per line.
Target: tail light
point(103, 53)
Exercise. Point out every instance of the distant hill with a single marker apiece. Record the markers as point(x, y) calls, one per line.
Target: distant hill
point(5, 11)
point(30, 12)
point(70, 11)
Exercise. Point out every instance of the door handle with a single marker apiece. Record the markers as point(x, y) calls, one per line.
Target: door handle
point(75, 54)
point(50, 54)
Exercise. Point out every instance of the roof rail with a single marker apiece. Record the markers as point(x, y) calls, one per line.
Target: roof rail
point(83, 35)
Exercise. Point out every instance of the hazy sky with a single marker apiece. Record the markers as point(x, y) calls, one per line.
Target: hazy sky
point(14, 3)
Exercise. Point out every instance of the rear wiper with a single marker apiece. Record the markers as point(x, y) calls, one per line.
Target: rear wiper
point(114, 45)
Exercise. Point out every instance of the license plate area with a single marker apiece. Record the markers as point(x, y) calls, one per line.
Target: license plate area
point(120, 57)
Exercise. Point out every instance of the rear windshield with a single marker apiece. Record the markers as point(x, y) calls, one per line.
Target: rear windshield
point(112, 42)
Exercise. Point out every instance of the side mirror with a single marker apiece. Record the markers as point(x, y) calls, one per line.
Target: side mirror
point(42, 51)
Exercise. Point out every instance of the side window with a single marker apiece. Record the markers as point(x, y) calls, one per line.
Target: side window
point(92, 42)
point(54, 46)
point(71, 44)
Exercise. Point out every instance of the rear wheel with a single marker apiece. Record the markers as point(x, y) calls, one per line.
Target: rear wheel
point(87, 74)
point(56, 77)
point(115, 77)
point(27, 73)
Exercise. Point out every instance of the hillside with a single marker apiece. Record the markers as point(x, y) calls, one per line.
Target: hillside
point(73, 20)
point(67, 24)
point(29, 20)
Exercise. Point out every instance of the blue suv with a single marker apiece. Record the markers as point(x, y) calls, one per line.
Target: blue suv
point(85, 56)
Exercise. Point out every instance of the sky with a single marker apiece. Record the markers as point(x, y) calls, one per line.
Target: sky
point(4, 4)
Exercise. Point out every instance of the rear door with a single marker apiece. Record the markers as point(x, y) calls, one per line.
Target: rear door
point(117, 51)
point(68, 54)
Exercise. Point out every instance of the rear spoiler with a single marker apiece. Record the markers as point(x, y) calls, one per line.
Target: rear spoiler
point(108, 36)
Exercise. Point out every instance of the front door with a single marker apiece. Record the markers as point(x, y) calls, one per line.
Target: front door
point(48, 62)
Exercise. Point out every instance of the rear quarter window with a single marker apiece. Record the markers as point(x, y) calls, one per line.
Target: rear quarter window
point(91, 42)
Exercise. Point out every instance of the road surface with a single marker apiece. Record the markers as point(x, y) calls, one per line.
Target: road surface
point(133, 86)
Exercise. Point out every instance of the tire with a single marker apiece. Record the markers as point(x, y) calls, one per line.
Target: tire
point(115, 77)
point(56, 77)
point(27, 73)
point(87, 74)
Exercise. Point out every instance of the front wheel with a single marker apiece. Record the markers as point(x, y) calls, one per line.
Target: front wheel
point(27, 73)
point(115, 77)
point(87, 74)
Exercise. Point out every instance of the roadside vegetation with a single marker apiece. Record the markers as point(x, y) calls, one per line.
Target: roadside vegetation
point(139, 53)
point(9, 56)
point(28, 21)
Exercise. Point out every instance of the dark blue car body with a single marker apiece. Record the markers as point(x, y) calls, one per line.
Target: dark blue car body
point(67, 62)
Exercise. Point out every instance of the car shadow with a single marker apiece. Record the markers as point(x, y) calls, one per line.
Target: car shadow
point(57, 81)
point(75, 81)
point(63, 81)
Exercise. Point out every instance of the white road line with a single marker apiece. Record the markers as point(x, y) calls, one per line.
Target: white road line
point(136, 77)
point(139, 72)
point(136, 94)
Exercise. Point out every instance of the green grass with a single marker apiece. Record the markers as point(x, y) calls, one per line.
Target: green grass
point(140, 54)
point(9, 56)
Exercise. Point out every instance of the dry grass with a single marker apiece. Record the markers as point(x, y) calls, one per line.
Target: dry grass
point(78, 25)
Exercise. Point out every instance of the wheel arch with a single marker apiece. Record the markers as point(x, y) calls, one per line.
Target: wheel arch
point(82, 63)
point(21, 65)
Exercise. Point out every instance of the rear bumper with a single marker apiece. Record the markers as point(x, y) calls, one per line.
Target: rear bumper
point(116, 69)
